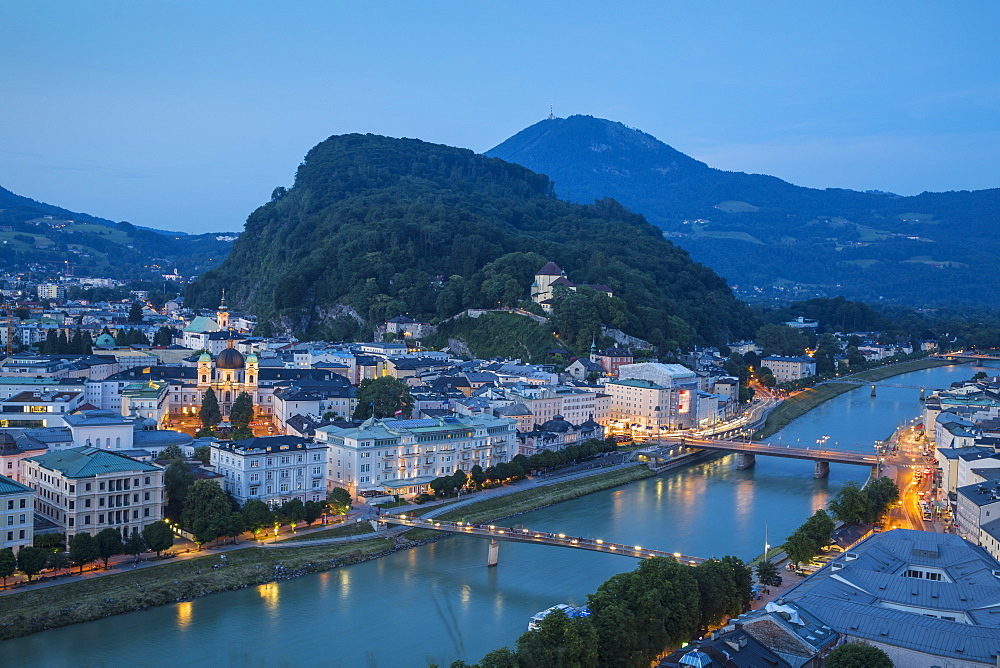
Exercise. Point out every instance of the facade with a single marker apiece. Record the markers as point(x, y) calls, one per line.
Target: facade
point(789, 368)
point(51, 291)
point(39, 409)
point(978, 504)
point(148, 400)
point(17, 514)
point(405, 455)
point(611, 359)
point(650, 397)
point(89, 489)
point(272, 469)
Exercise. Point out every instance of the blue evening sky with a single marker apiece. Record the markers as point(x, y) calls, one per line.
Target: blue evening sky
point(185, 115)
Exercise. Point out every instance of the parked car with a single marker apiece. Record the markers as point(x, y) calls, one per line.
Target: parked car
point(776, 582)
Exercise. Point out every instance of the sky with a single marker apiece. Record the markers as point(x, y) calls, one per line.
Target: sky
point(186, 115)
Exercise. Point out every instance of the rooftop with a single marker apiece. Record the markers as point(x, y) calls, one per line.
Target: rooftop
point(88, 461)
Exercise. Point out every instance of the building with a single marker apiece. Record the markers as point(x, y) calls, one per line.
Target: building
point(38, 408)
point(148, 400)
point(89, 489)
point(787, 369)
point(611, 359)
point(272, 469)
point(650, 397)
point(403, 456)
point(925, 599)
point(550, 276)
point(17, 514)
point(51, 291)
point(556, 434)
point(977, 505)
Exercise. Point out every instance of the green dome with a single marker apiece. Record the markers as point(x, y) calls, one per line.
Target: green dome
point(105, 341)
point(205, 357)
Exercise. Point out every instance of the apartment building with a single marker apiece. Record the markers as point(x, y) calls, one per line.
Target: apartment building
point(272, 469)
point(17, 514)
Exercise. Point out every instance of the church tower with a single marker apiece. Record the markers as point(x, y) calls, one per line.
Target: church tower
point(222, 315)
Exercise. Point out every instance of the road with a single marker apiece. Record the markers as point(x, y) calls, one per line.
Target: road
point(903, 467)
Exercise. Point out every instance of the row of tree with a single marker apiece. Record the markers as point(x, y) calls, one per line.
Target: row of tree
point(634, 617)
point(84, 548)
point(478, 478)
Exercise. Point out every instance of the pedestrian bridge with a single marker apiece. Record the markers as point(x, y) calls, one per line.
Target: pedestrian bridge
point(524, 535)
point(748, 452)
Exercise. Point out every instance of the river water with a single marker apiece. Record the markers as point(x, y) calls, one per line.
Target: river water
point(440, 602)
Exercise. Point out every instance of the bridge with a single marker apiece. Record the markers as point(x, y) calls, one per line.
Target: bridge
point(969, 356)
point(859, 382)
point(748, 452)
point(523, 535)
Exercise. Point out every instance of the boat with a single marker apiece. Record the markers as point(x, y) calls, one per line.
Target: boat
point(568, 609)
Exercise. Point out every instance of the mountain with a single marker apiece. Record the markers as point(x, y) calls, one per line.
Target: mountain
point(36, 233)
point(769, 237)
point(380, 227)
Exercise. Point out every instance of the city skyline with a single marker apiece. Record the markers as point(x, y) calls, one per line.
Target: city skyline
point(186, 117)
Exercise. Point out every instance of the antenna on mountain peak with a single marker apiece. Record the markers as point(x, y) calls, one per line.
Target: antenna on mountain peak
point(551, 115)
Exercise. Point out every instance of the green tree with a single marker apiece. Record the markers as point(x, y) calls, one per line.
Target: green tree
point(294, 511)
point(852, 506)
point(766, 572)
point(857, 655)
point(477, 476)
point(57, 559)
point(171, 452)
point(339, 500)
point(743, 578)
point(499, 658)
point(31, 560)
point(882, 492)
point(158, 536)
point(800, 547)
point(559, 641)
point(177, 481)
point(207, 511)
point(718, 595)
point(382, 397)
point(780, 340)
point(135, 312)
point(50, 541)
point(135, 545)
point(8, 564)
point(257, 516)
point(203, 453)
point(241, 414)
point(164, 336)
point(109, 543)
point(209, 414)
point(313, 511)
point(83, 549)
point(819, 527)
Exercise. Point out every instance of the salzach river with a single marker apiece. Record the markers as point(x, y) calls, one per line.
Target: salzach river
point(439, 602)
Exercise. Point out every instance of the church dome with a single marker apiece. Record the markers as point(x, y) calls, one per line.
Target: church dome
point(205, 357)
point(557, 424)
point(230, 358)
point(105, 341)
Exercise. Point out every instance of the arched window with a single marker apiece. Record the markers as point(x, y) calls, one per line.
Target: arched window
point(204, 378)
point(118, 441)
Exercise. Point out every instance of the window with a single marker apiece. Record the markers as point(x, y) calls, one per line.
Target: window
point(147, 480)
point(145, 512)
point(102, 486)
point(20, 535)
point(10, 504)
point(86, 503)
point(87, 487)
point(284, 487)
point(146, 496)
point(10, 535)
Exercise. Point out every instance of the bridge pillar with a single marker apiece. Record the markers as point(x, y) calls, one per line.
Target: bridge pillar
point(494, 554)
point(821, 469)
point(873, 390)
point(922, 398)
point(745, 460)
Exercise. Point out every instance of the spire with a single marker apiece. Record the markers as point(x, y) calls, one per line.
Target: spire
point(222, 304)
point(593, 344)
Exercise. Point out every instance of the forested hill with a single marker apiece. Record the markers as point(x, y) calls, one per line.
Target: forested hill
point(33, 233)
point(767, 235)
point(393, 226)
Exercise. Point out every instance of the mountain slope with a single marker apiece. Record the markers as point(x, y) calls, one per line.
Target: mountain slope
point(36, 233)
point(766, 235)
point(391, 226)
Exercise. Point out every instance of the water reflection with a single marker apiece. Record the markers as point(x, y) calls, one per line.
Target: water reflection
point(184, 609)
point(269, 592)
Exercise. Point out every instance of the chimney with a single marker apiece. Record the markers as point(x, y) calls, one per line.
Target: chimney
point(743, 641)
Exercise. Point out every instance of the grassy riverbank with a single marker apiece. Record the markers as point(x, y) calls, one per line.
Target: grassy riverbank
point(87, 600)
point(805, 401)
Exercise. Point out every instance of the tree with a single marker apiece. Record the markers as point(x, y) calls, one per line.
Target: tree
point(800, 547)
point(857, 655)
point(559, 641)
point(171, 452)
point(109, 543)
point(313, 511)
point(766, 572)
point(158, 536)
point(819, 527)
point(780, 340)
point(8, 564)
point(177, 481)
point(210, 415)
point(57, 559)
point(257, 515)
point(339, 500)
point(882, 492)
point(207, 511)
point(31, 560)
point(83, 549)
point(743, 578)
point(164, 336)
point(499, 658)
point(383, 397)
point(135, 545)
point(135, 312)
point(477, 476)
point(852, 506)
point(203, 453)
point(718, 596)
point(50, 541)
point(241, 414)
point(293, 511)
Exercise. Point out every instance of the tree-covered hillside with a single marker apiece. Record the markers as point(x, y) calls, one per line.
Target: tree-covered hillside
point(392, 226)
point(766, 235)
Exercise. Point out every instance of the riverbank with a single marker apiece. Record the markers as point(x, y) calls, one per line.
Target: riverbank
point(796, 406)
point(78, 601)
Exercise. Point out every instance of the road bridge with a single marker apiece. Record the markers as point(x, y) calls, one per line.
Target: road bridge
point(524, 535)
point(748, 452)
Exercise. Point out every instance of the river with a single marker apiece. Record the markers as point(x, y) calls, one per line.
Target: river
point(440, 602)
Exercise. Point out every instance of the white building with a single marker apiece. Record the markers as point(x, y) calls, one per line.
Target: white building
point(89, 489)
point(51, 291)
point(404, 455)
point(272, 469)
point(17, 514)
point(789, 368)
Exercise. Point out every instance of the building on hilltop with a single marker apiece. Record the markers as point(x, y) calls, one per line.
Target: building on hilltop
point(550, 276)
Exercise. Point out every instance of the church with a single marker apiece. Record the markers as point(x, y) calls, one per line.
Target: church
point(546, 280)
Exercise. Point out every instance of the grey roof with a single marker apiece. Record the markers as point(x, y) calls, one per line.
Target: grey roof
point(160, 438)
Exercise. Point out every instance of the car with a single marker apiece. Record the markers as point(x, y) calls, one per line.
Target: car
point(776, 582)
point(927, 471)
